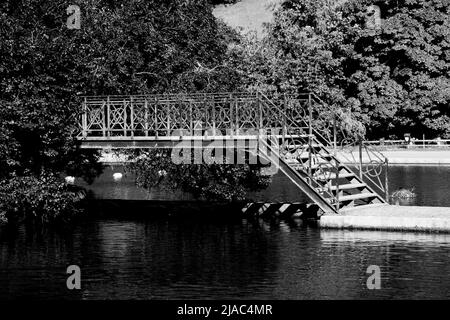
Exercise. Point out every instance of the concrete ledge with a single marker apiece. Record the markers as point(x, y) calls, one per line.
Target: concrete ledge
point(382, 223)
point(400, 218)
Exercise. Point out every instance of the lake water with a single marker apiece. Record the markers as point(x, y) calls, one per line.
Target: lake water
point(149, 257)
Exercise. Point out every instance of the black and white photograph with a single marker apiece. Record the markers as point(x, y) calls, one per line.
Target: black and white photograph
point(224, 155)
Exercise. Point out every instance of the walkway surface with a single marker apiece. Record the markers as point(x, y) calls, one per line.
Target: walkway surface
point(391, 217)
point(411, 157)
point(418, 156)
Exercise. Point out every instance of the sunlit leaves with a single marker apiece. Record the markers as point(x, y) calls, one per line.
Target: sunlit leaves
point(394, 78)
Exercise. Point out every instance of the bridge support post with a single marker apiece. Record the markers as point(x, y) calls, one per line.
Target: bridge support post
point(168, 119)
point(106, 118)
point(360, 142)
point(334, 134)
point(260, 118)
point(84, 116)
point(191, 120)
point(310, 137)
point(131, 117)
point(146, 117)
point(235, 103)
point(284, 119)
point(156, 119)
point(232, 123)
point(213, 112)
point(337, 187)
point(386, 180)
point(125, 120)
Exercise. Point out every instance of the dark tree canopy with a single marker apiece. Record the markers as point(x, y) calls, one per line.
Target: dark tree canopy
point(216, 2)
point(216, 182)
point(123, 47)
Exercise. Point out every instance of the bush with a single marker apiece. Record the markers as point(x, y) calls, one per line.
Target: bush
point(3, 219)
point(38, 199)
point(214, 182)
point(404, 193)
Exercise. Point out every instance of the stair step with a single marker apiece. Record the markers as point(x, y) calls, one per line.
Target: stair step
point(349, 186)
point(372, 205)
point(303, 146)
point(305, 156)
point(325, 165)
point(357, 196)
point(293, 136)
point(345, 187)
point(332, 176)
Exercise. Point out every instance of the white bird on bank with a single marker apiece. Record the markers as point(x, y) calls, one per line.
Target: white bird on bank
point(117, 176)
point(70, 179)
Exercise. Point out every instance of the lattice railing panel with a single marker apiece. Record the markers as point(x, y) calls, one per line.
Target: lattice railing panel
point(166, 115)
point(95, 118)
point(248, 114)
point(117, 118)
point(223, 115)
point(139, 118)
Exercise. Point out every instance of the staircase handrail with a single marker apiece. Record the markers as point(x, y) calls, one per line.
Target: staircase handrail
point(316, 134)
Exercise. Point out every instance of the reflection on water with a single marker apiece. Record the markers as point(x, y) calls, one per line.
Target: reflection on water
point(431, 184)
point(104, 187)
point(178, 259)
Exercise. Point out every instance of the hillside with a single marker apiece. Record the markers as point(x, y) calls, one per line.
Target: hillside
point(248, 14)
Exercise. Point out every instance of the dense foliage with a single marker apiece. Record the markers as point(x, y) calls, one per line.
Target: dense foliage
point(394, 78)
point(222, 182)
point(39, 199)
point(122, 47)
point(225, 2)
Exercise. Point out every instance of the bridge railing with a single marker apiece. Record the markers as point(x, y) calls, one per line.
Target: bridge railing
point(153, 116)
point(411, 144)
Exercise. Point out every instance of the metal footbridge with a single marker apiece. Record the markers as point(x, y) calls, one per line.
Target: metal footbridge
point(311, 143)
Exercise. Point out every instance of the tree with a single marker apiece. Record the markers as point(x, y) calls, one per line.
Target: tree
point(225, 2)
point(393, 77)
point(122, 47)
point(401, 70)
point(216, 182)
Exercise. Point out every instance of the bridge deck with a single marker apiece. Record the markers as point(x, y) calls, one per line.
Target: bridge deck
point(120, 142)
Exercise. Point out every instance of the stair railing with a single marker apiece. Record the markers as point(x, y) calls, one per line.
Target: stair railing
point(371, 161)
point(304, 134)
point(338, 139)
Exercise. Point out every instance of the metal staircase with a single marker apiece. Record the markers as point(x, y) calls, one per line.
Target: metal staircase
point(308, 158)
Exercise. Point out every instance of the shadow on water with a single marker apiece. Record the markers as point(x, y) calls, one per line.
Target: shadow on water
point(139, 259)
point(431, 183)
point(183, 258)
point(144, 253)
point(105, 187)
